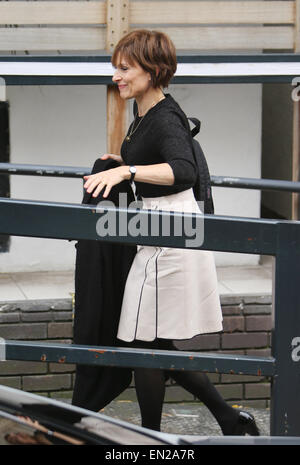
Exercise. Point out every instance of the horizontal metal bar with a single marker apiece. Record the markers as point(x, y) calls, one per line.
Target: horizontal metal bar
point(125, 357)
point(187, 57)
point(44, 170)
point(261, 73)
point(24, 80)
point(250, 183)
point(80, 171)
point(73, 221)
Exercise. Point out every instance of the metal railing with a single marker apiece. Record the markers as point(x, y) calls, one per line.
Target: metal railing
point(80, 171)
point(278, 238)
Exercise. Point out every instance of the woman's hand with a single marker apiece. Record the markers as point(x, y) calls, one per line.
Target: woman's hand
point(160, 174)
point(117, 158)
point(105, 179)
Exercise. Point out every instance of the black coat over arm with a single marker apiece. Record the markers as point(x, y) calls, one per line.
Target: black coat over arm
point(100, 276)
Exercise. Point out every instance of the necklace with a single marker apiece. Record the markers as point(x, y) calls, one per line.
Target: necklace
point(128, 138)
point(133, 129)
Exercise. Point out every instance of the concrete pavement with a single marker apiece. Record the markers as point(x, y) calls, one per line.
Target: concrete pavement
point(232, 280)
point(189, 418)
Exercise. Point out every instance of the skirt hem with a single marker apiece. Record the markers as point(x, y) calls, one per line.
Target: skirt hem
point(174, 338)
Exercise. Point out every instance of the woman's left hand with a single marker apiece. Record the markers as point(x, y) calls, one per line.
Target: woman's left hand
point(104, 179)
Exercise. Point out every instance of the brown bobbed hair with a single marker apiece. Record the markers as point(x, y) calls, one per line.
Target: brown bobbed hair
point(152, 50)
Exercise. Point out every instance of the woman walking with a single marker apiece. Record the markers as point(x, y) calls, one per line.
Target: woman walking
point(170, 294)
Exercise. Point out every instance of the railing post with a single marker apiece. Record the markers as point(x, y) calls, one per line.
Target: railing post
point(285, 398)
point(4, 154)
point(296, 120)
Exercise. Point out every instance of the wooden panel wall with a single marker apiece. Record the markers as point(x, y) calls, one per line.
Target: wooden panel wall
point(193, 25)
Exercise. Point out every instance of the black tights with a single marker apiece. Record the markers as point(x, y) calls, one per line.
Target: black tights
point(200, 386)
point(150, 389)
point(150, 385)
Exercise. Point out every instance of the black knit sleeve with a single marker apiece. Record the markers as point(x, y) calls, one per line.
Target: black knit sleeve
point(172, 142)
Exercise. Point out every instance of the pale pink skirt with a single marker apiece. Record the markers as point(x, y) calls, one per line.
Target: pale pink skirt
point(170, 293)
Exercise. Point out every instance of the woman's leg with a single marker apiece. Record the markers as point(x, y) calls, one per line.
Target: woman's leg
point(201, 387)
point(150, 390)
point(198, 384)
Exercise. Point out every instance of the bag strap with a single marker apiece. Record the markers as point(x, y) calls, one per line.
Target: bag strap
point(197, 127)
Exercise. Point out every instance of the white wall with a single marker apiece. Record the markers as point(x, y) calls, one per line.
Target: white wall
point(66, 125)
point(63, 125)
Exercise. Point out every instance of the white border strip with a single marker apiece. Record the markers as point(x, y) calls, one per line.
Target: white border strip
point(2, 349)
point(238, 69)
point(183, 69)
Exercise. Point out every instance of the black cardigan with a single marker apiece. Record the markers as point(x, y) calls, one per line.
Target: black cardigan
point(162, 137)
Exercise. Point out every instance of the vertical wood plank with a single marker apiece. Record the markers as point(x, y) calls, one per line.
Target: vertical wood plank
point(117, 15)
point(117, 21)
point(296, 121)
point(116, 120)
point(296, 26)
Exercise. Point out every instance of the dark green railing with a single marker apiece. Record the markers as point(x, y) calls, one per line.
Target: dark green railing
point(277, 238)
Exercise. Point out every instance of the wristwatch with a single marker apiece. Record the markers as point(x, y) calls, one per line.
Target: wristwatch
point(132, 170)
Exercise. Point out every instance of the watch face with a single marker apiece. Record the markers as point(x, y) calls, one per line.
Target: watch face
point(132, 169)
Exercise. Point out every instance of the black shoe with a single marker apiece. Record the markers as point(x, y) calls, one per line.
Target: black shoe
point(245, 425)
